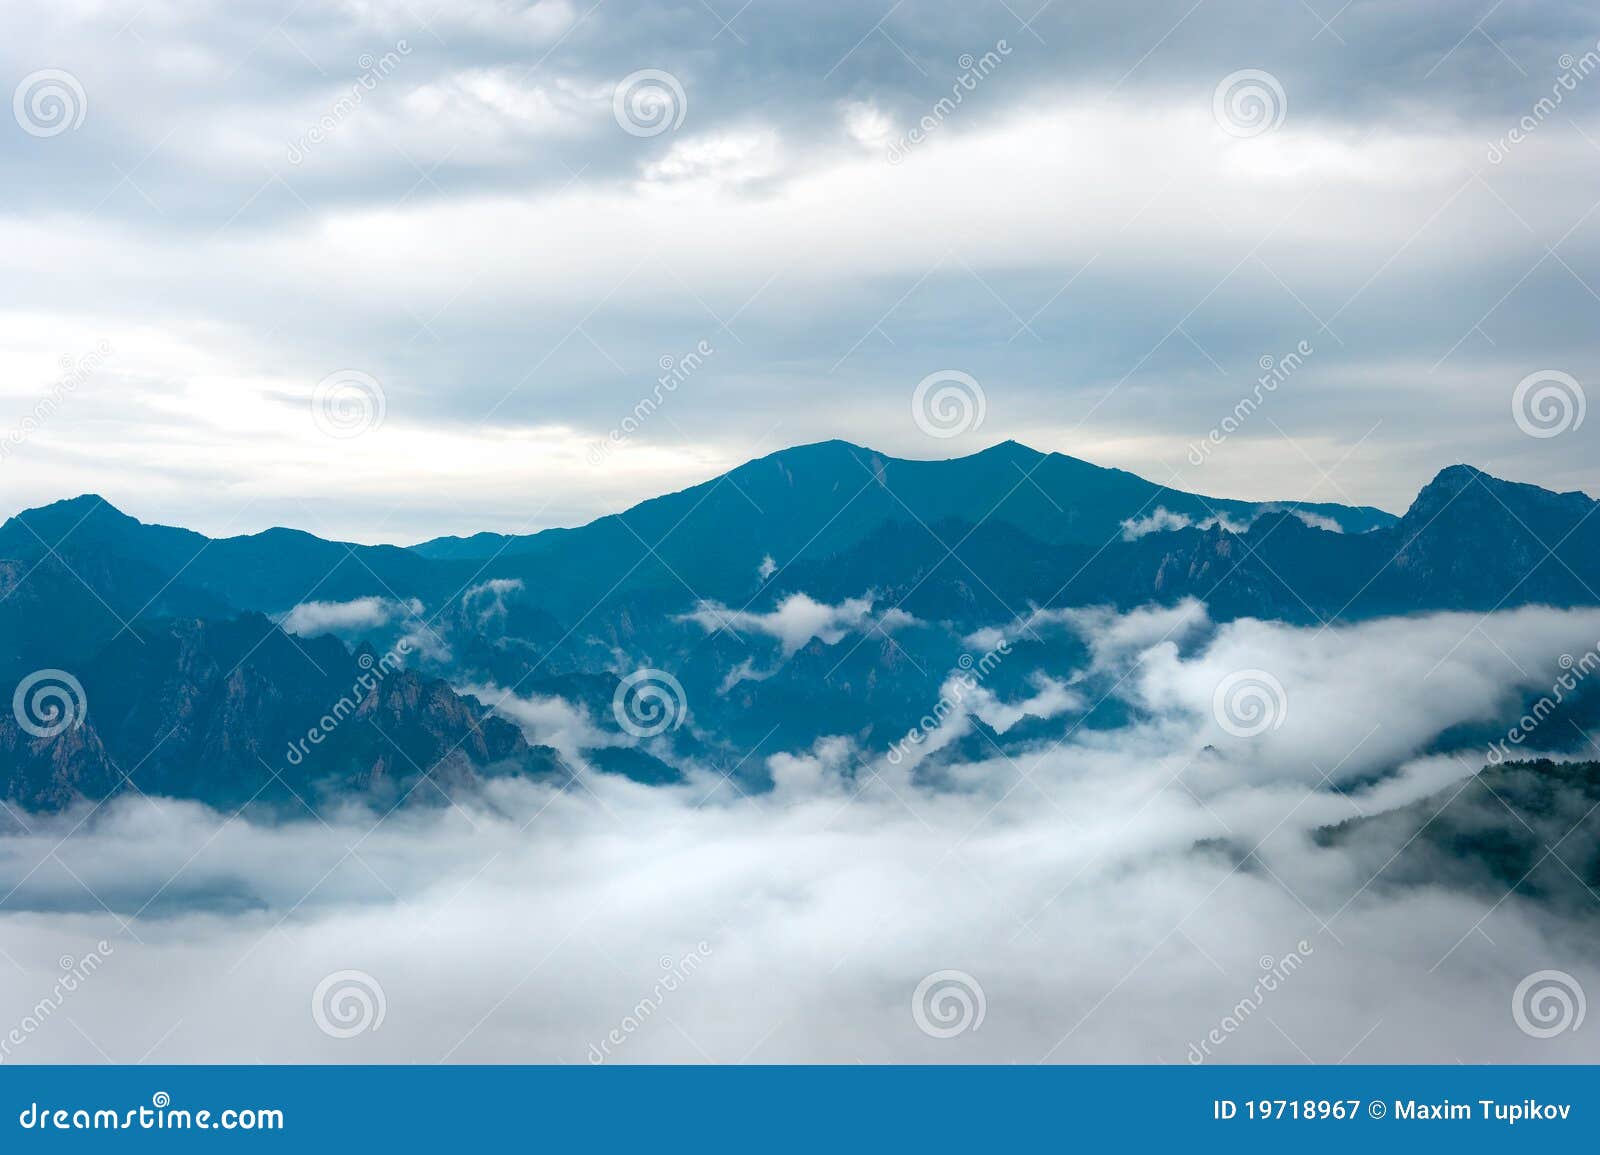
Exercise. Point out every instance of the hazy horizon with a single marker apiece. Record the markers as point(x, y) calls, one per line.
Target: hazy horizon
point(516, 526)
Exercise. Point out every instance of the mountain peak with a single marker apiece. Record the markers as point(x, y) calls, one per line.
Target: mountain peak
point(1011, 450)
point(83, 503)
point(835, 449)
point(838, 448)
point(73, 511)
point(1455, 476)
point(1464, 487)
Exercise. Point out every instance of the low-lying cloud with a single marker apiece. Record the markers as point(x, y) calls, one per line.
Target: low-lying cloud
point(1115, 892)
point(1164, 520)
point(310, 618)
point(800, 618)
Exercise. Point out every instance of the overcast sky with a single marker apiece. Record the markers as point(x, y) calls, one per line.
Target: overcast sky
point(209, 209)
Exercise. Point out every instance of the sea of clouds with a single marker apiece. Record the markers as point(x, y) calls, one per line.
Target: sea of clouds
point(1088, 896)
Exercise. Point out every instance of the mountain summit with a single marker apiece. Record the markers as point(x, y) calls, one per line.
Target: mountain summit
point(813, 501)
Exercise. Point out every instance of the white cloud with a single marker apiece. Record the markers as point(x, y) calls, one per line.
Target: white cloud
point(1162, 520)
point(1050, 699)
point(549, 721)
point(487, 600)
point(731, 158)
point(868, 126)
point(800, 618)
point(745, 671)
point(425, 640)
point(1318, 521)
point(489, 112)
point(1117, 637)
point(309, 618)
point(1376, 692)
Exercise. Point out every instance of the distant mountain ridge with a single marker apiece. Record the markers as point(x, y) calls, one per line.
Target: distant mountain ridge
point(805, 503)
point(174, 632)
point(1054, 497)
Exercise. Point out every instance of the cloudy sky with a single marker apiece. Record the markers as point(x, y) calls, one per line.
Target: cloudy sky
point(480, 214)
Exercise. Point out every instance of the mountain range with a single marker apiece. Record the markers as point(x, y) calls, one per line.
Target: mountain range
point(826, 581)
